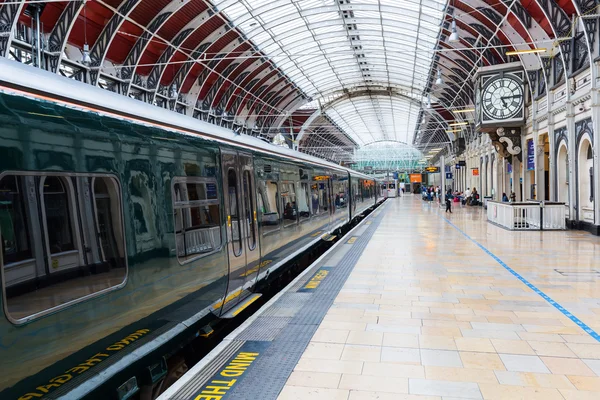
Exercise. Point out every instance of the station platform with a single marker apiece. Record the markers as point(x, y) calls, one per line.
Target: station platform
point(418, 304)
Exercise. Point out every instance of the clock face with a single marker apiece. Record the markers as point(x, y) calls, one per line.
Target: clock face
point(502, 98)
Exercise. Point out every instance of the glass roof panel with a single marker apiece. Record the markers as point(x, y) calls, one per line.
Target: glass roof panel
point(350, 55)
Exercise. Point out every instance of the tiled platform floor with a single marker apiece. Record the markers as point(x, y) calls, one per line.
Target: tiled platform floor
point(427, 314)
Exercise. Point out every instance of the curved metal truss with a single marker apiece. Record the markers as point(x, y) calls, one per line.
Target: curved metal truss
point(359, 71)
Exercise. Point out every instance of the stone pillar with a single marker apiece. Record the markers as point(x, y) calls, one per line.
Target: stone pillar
point(552, 159)
point(572, 151)
point(596, 145)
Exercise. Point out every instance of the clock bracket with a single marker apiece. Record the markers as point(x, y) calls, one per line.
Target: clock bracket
point(507, 142)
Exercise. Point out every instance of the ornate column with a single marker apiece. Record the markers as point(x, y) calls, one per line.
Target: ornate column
point(596, 144)
point(572, 151)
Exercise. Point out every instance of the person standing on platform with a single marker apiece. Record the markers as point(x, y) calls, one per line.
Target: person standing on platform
point(449, 200)
point(466, 197)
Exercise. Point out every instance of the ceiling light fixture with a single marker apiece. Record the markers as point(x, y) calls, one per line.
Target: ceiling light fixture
point(458, 123)
point(439, 80)
point(527, 51)
point(453, 130)
point(465, 110)
point(428, 101)
point(454, 35)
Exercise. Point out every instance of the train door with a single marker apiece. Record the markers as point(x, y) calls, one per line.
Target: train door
point(242, 234)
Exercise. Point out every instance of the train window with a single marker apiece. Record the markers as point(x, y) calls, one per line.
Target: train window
point(288, 202)
point(268, 204)
point(13, 221)
point(303, 201)
point(250, 209)
point(233, 220)
point(57, 208)
point(197, 217)
point(58, 246)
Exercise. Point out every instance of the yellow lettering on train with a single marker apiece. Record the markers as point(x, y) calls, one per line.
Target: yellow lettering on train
point(30, 396)
point(97, 358)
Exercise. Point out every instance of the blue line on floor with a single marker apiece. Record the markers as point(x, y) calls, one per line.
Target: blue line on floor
point(560, 308)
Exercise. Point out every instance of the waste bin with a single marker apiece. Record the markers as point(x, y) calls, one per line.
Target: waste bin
point(485, 201)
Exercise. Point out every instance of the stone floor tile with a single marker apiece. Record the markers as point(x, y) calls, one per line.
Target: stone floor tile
point(334, 366)
point(400, 355)
point(437, 342)
point(484, 333)
point(463, 390)
point(541, 337)
point(460, 374)
point(440, 358)
point(521, 363)
point(482, 361)
point(437, 331)
point(512, 347)
point(350, 326)
point(480, 345)
point(533, 379)
point(506, 392)
point(391, 339)
point(301, 393)
point(363, 337)
point(587, 383)
point(330, 336)
point(374, 383)
point(357, 352)
point(574, 394)
point(328, 351)
point(363, 395)
point(393, 370)
point(585, 350)
point(594, 365)
point(566, 366)
point(314, 379)
point(551, 349)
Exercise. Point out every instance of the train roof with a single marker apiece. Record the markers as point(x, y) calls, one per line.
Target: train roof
point(20, 79)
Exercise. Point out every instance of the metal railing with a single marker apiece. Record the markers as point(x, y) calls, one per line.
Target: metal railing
point(531, 215)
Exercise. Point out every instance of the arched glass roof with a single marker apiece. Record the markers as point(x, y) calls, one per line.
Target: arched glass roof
point(332, 48)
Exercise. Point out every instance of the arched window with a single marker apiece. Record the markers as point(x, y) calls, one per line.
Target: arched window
point(58, 219)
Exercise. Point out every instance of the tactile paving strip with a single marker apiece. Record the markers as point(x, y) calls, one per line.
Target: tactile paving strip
point(274, 367)
point(264, 329)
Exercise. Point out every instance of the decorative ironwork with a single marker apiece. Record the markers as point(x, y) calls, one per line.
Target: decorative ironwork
point(560, 134)
point(140, 45)
point(532, 78)
point(579, 53)
point(8, 17)
point(520, 12)
point(556, 16)
point(491, 14)
point(507, 142)
point(98, 51)
point(160, 66)
point(558, 70)
point(582, 127)
point(60, 33)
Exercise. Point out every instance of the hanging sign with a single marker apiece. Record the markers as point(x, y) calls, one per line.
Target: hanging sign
point(416, 178)
point(448, 175)
point(475, 171)
point(462, 163)
point(457, 166)
point(530, 155)
point(509, 168)
point(432, 170)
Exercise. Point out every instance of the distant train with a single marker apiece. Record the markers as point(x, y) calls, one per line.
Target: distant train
point(126, 227)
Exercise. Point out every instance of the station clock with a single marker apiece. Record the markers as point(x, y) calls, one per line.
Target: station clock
point(500, 99)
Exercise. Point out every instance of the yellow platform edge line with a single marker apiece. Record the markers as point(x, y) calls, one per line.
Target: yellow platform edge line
point(248, 302)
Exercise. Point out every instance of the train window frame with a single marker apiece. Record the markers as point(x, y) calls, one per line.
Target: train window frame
point(291, 191)
point(42, 225)
point(216, 201)
point(277, 206)
point(248, 191)
point(308, 198)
